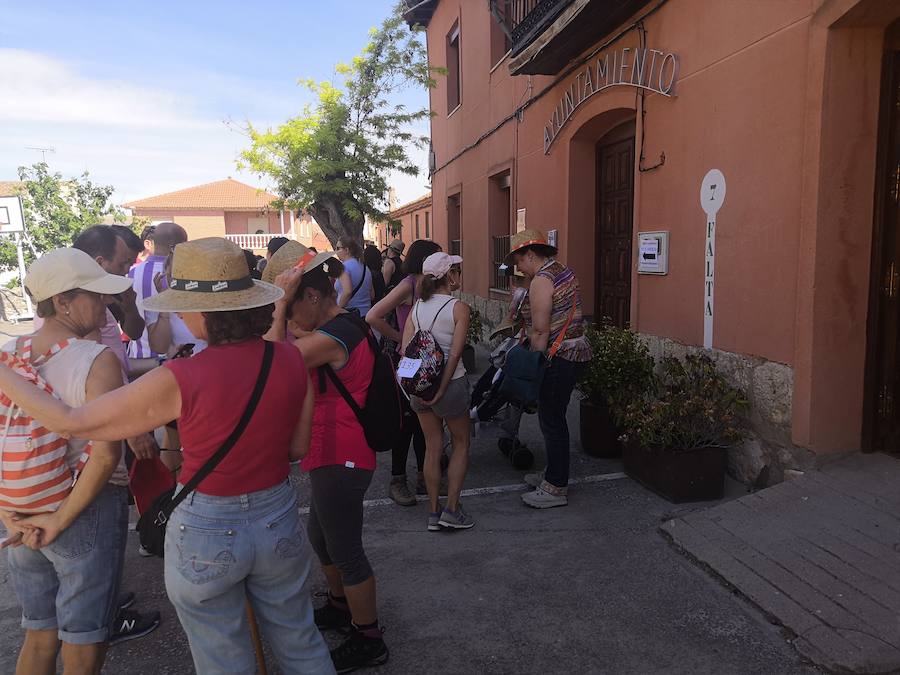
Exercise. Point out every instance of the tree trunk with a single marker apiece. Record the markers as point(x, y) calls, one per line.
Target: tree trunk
point(334, 223)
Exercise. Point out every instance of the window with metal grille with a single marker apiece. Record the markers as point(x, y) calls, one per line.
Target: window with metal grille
point(499, 250)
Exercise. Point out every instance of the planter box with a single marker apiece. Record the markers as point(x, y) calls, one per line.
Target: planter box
point(599, 436)
point(693, 476)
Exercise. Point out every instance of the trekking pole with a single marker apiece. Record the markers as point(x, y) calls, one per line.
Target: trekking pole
point(255, 639)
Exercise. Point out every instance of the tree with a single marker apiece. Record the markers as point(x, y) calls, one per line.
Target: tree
point(56, 210)
point(334, 158)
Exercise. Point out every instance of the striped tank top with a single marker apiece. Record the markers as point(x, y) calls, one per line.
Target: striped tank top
point(575, 346)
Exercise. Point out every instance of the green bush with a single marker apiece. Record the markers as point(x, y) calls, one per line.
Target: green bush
point(619, 371)
point(688, 405)
point(476, 327)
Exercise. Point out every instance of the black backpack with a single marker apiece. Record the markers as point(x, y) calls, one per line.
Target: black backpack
point(382, 416)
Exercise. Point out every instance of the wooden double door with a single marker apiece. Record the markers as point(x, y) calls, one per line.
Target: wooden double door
point(614, 230)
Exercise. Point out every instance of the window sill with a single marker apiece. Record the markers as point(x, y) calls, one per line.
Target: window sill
point(450, 114)
point(500, 62)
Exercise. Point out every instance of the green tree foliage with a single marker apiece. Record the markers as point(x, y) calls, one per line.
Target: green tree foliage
point(56, 210)
point(334, 158)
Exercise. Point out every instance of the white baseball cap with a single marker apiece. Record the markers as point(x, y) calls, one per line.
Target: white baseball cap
point(438, 264)
point(65, 269)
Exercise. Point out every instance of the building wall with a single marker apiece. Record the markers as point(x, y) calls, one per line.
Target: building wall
point(198, 224)
point(783, 101)
point(238, 222)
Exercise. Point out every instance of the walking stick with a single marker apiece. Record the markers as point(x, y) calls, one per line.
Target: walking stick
point(255, 639)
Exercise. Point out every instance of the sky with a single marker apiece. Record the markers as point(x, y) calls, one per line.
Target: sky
point(151, 97)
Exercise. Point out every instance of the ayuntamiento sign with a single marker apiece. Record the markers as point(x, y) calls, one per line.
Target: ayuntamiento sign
point(649, 69)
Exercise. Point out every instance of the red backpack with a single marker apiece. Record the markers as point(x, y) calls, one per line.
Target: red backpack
point(34, 475)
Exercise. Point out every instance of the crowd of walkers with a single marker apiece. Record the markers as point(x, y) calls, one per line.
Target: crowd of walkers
point(238, 367)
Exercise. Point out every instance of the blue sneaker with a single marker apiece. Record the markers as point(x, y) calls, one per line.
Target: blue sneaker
point(456, 520)
point(434, 521)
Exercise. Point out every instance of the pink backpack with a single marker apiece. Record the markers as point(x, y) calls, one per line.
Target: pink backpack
point(34, 475)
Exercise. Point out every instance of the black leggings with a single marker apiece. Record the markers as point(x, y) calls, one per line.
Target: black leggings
point(410, 431)
point(336, 520)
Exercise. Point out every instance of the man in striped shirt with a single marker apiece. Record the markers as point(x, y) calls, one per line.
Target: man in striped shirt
point(165, 238)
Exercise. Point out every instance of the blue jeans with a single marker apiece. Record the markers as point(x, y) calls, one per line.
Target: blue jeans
point(556, 390)
point(72, 584)
point(223, 550)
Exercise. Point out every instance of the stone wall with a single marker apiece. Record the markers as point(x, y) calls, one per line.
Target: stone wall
point(769, 387)
point(491, 311)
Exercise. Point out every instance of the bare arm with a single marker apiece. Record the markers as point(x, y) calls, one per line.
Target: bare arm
point(303, 431)
point(146, 403)
point(276, 332)
point(409, 330)
point(541, 298)
point(461, 316)
point(401, 294)
point(346, 289)
point(159, 334)
point(319, 349)
point(387, 270)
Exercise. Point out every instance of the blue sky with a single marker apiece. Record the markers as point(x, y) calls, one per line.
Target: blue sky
point(138, 94)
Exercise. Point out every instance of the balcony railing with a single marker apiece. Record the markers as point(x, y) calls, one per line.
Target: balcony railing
point(524, 20)
point(255, 242)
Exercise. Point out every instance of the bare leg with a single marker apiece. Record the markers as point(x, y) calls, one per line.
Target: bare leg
point(38, 654)
point(83, 659)
point(434, 448)
point(460, 428)
point(361, 600)
point(335, 585)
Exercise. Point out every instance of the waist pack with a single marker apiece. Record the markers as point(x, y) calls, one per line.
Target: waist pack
point(382, 416)
point(424, 347)
point(34, 475)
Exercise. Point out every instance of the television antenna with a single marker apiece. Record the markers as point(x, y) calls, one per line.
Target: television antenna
point(43, 152)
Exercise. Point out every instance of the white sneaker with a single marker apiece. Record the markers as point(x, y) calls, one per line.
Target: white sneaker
point(144, 553)
point(534, 479)
point(541, 499)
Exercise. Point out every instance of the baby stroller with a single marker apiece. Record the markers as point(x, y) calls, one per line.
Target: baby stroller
point(488, 404)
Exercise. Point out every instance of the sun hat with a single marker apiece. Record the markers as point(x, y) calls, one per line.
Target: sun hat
point(211, 275)
point(65, 269)
point(507, 324)
point(527, 238)
point(283, 259)
point(397, 245)
point(438, 264)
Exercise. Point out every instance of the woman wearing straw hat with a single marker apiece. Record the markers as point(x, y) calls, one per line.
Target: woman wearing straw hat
point(238, 536)
point(340, 463)
point(552, 313)
point(68, 587)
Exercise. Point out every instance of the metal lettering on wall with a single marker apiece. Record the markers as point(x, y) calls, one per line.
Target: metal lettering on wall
point(649, 69)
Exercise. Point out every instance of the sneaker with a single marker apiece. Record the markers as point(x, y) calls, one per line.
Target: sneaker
point(144, 553)
point(126, 600)
point(534, 479)
point(434, 521)
point(546, 496)
point(399, 492)
point(130, 625)
point(456, 520)
point(359, 651)
point(331, 617)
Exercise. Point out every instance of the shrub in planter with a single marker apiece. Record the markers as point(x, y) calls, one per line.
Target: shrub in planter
point(473, 337)
point(619, 372)
point(676, 435)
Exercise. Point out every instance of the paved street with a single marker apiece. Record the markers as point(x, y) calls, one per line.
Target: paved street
point(592, 587)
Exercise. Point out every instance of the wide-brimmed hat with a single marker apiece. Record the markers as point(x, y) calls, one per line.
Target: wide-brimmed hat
point(211, 275)
point(397, 245)
point(505, 325)
point(527, 238)
point(65, 269)
point(283, 259)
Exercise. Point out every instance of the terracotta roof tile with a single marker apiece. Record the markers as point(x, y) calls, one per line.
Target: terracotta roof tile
point(9, 188)
point(422, 202)
point(225, 195)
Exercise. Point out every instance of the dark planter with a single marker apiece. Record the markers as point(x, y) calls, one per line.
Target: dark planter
point(692, 476)
point(599, 435)
point(468, 358)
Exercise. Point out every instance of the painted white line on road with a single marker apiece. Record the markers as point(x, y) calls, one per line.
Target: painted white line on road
point(492, 490)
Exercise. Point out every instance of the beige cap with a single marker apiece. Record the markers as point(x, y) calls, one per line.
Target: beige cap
point(65, 269)
point(211, 275)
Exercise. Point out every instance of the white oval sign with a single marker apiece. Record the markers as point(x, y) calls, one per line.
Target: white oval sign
point(712, 192)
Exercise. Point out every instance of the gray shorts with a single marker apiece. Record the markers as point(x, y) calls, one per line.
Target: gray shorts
point(454, 402)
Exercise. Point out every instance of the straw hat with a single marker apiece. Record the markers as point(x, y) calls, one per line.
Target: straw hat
point(507, 325)
point(283, 259)
point(527, 238)
point(397, 245)
point(211, 275)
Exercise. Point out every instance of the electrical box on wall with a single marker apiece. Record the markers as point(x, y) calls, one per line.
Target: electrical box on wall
point(653, 253)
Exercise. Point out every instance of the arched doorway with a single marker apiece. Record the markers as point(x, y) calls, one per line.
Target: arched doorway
point(614, 224)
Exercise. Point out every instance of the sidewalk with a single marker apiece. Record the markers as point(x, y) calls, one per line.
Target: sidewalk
point(820, 554)
point(589, 588)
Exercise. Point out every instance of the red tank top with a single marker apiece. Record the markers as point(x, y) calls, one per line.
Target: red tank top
point(215, 387)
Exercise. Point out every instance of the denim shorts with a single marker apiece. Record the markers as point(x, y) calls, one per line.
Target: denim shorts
point(72, 584)
point(454, 402)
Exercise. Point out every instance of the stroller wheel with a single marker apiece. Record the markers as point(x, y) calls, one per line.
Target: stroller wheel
point(521, 457)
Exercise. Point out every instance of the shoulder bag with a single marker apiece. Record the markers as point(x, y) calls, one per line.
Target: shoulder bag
point(151, 526)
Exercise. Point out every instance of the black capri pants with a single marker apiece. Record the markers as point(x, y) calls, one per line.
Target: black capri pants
point(336, 520)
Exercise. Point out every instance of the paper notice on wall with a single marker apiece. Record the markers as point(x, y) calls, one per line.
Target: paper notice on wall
point(649, 252)
point(408, 367)
point(520, 220)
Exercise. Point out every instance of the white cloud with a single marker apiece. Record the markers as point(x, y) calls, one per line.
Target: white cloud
point(144, 140)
